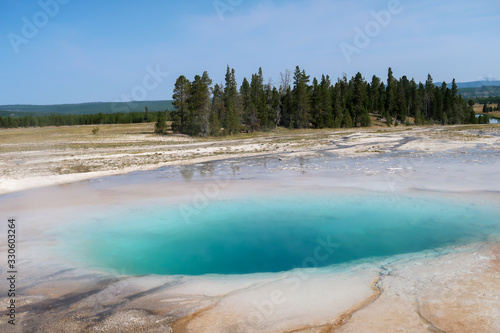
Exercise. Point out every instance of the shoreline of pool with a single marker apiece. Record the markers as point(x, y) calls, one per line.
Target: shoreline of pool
point(276, 302)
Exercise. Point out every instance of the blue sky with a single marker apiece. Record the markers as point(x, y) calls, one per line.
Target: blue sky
point(87, 51)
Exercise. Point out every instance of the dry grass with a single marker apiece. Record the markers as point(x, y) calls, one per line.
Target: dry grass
point(40, 152)
point(478, 108)
point(141, 136)
point(493, 113)
point(81, 137)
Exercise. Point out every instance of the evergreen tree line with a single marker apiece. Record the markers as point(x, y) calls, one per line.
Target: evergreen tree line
point(487, 108)
point(482, 119)
point(225, 109)
point(83, 119)
point(488, 100)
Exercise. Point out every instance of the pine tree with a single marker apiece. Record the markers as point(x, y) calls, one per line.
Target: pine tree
point(261, 101)
point(245, 103)
point(358, 101)
point(316, 114)
point(418, 118)
point(401, 105)
point(199, 106)
point(390, 105)
point(428, 98)
point(365, 119)
point(161, 123)
point(403, 99)
point(454, 93)
point(326, 101)
point(437, 106)
point(336, 94)
point(382, 98)
point(347, 120)
point(276, 106)
point(285, 114)
point(301, 99)
point(388, 118)
point(205, 106)
point(217, 110)
point(231, 120)
point(181, 96)
point(214, 124)
point(258, 110)
point(218, 101)
point(254, 107)
point(375, 94)
point(269, 105)
point(472, 115)
point(322, 103)
point(414, 103)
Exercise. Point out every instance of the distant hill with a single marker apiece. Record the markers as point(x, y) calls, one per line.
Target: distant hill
point(477, 89)
point(479, 92)
point(84, 108)
point(477, 84)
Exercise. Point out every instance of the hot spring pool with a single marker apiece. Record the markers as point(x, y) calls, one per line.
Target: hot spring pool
point(271, 234)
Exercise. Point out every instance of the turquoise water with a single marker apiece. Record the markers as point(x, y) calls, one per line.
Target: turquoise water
point(265, 234)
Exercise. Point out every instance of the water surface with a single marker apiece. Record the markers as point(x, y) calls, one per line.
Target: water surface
point(272, 233)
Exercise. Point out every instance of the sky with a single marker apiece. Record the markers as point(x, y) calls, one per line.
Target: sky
point(73, 51)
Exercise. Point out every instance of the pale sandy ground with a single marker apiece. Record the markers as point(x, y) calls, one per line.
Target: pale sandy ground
point(32, 158)
point(451, 290)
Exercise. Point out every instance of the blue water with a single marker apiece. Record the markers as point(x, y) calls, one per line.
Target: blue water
point(266, 234)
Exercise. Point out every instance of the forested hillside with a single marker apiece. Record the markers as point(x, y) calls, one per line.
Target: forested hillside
point(84, 119)
point(84, 108)
point(480, 92)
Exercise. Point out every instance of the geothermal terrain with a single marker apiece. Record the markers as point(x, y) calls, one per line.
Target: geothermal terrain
point(450, 289)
